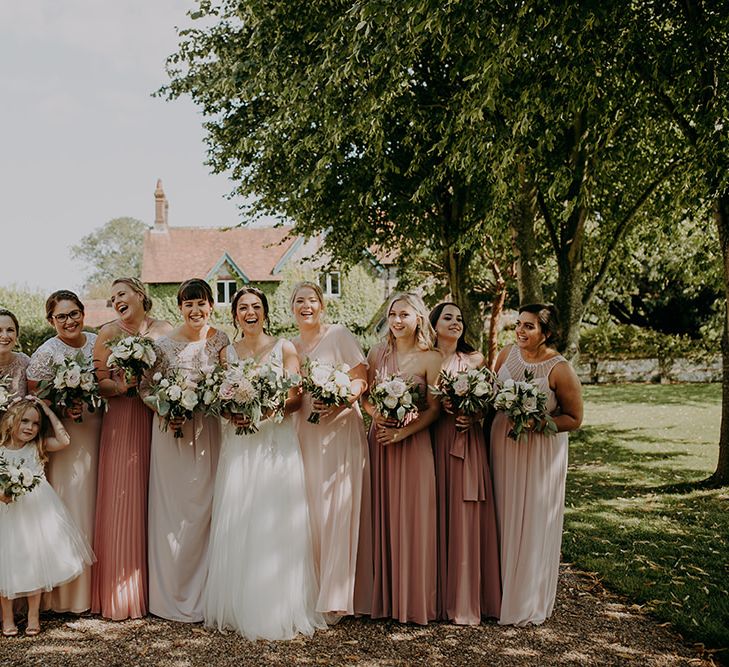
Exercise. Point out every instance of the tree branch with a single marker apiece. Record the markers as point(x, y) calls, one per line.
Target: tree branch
point(548, 223)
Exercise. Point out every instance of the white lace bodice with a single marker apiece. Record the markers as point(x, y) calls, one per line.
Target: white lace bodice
point(16, 370)
point(275, 356)
point(54, 351)
point(26, 456)
point(516, 368)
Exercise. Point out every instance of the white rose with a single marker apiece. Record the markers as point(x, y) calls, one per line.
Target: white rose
point(208, 397)
point(396, 387)
point(508, 383)
point(14, 474)
point(391, 402)
point(460, 386)
point(26, 477)
point(137, 351)
point(189, 399)
point(164, 382)
point(407, 398)
point(320, 375)
point(150, 356)
point(530, 404)
point(341, 379)
point(123, 353)
point(481, 389)
point(73, 377)
point(156, 377)
point(87, 381)
point(174, 392)
point(111, 360)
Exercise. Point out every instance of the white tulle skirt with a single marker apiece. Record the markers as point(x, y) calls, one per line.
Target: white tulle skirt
point(261, 581)
point(41, 545)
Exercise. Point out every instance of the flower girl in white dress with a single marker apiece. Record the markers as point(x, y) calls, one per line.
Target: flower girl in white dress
point(41, 545)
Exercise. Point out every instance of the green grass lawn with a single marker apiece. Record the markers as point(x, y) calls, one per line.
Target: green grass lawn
point(629, 520)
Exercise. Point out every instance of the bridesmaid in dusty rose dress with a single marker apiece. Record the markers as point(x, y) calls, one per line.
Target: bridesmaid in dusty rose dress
point(119, 577)
point(469, 583)
point(529, 476)
point(12, 364)
point(336, 463)
point(72, 471)
point(403, 475)
point(182, 470)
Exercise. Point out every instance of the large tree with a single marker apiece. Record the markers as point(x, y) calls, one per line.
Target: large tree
point(112, 251)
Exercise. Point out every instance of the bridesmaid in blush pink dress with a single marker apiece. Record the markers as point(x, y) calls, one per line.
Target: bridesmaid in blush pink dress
point(72, 471)
point(119, 577)
point(336, 463)
point(529, 476)
point(12, 364)
point(403, 475)
point(469, 583)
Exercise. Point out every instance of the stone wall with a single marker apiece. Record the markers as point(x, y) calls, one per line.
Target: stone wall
point(607, 371)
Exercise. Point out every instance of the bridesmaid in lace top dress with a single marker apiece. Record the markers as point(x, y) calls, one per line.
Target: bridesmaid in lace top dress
point(119, 577)
point(336, 463)
point(403, 475)
point(469, 583)
point(182, 470)
point(529, 476)
point(12, 364)
point(72, 471)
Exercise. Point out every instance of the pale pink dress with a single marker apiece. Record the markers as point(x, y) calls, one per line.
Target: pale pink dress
point(529, 485)
point(72, 471)
point(16, 370)
point(336, 469)
point(469, 583)
point(181, 481)
point(404, 521)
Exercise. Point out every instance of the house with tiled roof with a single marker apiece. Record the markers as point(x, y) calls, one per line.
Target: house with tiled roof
point(229, 258)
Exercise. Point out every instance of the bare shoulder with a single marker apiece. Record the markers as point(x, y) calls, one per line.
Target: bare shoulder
point(109, 331)
point(288, 346)
point(502, 356)
point(475, 359)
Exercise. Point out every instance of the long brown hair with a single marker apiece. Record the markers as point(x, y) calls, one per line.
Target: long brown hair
point(15, 412)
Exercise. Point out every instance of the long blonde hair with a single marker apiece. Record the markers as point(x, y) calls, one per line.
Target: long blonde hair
point(424, 333)
point(15, 411)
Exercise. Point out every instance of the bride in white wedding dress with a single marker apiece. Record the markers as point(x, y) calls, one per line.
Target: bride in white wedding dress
point(261, 581)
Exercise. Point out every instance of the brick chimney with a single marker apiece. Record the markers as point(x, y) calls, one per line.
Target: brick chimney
point(161, 206)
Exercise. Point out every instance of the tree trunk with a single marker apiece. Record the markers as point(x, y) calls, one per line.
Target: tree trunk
point(569, 304)
point(462, 294)
point(497, 306)
point(721, 474)
point(524, 241)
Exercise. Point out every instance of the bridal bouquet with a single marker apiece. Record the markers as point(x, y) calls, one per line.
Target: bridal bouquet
point(173, 396)
point(245, 388)
point(395, 397)
point(16, 479)
point(523, 401)
point(469, 392)
point(133, 355)
point(326, 383)
point(74, 381)
point(6, 392)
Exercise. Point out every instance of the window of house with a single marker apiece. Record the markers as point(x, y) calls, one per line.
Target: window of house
point(225, 292)
point(331, 283)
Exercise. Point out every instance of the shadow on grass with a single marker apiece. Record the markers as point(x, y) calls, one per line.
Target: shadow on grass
point(642, 521)
point(685, 395)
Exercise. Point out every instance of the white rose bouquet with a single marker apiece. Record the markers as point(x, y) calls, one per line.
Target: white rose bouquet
point(173, 396)
point(133, 355)
point(244, 388)
point(16, 479)
point(395, 397)
point(6, 392)
point(74, 382)
point(469, 392)
point(326, 383)
point(523, 402)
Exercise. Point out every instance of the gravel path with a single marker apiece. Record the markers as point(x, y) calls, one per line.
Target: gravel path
point(589, 627)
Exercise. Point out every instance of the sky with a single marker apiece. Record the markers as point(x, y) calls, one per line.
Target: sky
point(83, 140)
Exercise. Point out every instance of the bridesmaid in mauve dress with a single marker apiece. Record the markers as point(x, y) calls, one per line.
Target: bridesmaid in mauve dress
point(403, 475)
point(72, 471)
point(182, 470)
point(119, 577)
point(336, 464)
point(12, 364)
point(469, 583)
point(529, 476)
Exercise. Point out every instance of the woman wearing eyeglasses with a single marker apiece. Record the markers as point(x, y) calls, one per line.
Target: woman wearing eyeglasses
point(71, 471)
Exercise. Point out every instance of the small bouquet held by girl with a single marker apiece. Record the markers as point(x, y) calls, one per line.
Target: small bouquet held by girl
point(73, 384)
point(247, 389)
point(6, 392)
point(173, 396)
point(394, 397)
point(470, 392)
point(16, 479)
point(525, 405)
point(328, 384)
point(132, 355)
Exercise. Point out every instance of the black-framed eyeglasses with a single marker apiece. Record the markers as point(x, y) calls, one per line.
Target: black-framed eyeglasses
point(74, 315)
